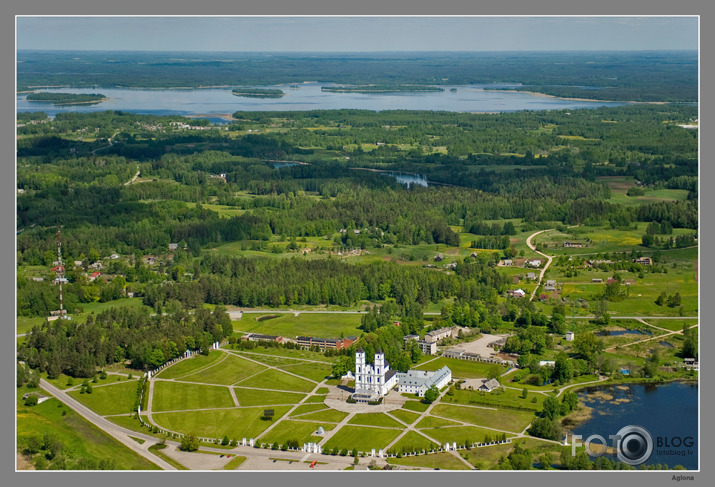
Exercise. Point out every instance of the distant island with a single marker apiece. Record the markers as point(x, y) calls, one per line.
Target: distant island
point(258, 92)
point(66, 98)
point(379, 88)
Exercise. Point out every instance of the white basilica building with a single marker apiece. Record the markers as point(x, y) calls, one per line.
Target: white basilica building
point(374, 381)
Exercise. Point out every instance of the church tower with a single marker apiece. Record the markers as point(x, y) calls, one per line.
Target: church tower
point(359, 369)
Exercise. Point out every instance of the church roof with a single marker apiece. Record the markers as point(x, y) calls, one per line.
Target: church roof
point(360, 350)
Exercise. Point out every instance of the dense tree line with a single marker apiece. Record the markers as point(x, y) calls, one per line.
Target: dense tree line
point(119, 334)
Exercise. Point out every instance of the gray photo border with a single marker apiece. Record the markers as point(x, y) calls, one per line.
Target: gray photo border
point(327, 7)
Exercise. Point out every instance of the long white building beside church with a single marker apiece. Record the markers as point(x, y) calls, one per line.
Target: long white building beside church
point(374, 381)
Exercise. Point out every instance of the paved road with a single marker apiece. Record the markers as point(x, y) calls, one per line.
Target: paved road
point(119, 433)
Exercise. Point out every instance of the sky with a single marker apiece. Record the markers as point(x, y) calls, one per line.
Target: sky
point(357, 34)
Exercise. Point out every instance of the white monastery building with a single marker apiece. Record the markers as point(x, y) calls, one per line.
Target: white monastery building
point(418, 381)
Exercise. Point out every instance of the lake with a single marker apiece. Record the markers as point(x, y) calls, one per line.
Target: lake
point(668, 411)
point(217, 101)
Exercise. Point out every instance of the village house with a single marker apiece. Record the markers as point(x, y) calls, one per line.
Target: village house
point(570, 336)
point(173, 246)
point(533, 262)
point(428, 348)
point(517, 293)
point(531, 275)
point(489, 385)
point(507, 262)
point(596, 279)
point(573, 245)
point(550, 285)
point(643, 261)
point(438, 258)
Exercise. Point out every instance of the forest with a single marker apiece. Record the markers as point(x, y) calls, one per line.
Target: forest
point(291, 191)
point(622, 76)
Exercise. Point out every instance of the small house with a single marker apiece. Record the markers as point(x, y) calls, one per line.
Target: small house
point(438, 258)
point(643, 261)
point(474, 255)
point(173, 246)
point(518, 293)
point(596, 279)
point(530, 275)
point(489, 385)
point(570, 336)
point(114, 256)
point(507, 262)
point(533, 262)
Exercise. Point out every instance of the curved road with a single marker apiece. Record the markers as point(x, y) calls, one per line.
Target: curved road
point(548, 262)
point(117, 432)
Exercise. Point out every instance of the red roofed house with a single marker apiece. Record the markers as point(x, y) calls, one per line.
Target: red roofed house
point(94, 275)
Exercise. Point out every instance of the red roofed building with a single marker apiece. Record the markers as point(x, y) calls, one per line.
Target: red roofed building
point(94, 275)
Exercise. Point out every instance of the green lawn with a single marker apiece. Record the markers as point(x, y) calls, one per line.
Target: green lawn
point(307, 408)
point(441, 461)
point(175, 396)
point(312, 371)
point(316, 399)
point(329, 415)
point(258, 352)
point(274, 361)
point(307, 324)
point(432, 422)
point(234, 463)
point(190, 365)
point(461, 434)
point(406, 416)
point(375, 419)
point(674, 325)
point(463, 369)
point(506, 419)
point(79, 437)
point(502, 397)
point(249, 397)
point(111, 399)
point(295, 430)
point(234, 423)
point(274, 379)
point(413, 442)
point(417, 406)
point(362, 437)
point(229, 371)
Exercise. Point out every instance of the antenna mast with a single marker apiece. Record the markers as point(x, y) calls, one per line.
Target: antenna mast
point(60, 278)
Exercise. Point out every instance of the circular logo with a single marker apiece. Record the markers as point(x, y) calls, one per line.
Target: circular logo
point(635, 445)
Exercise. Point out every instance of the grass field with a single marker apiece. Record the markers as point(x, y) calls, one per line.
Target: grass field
point(257, 352)
point(312, 371)
point(79, 437)
point(190, 365)
point(316, 399)
point(310, 324)
point(463, 369)
point(432, 422)
point(248, 397)
point(307, 408)
point(274, 379)
point(177, 396)
point(235, 423)
point(328, 415)
point(437, 461)
point(229, 371)
point(363, 438)
point(461, 434)
point(112, 399)
point(413, 442)
point(488, 456)
point(375, 419)
point(674, 325)
point(234, 463)
point(417, 406)
point(508, 420)
point(295, 430)
point(407, 417)
point(503, 397)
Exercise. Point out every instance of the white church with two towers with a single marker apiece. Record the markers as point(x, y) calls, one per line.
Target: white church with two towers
point(374, 381)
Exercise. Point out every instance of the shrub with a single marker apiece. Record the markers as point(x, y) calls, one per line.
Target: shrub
point(31, 400)
point(225, 441)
